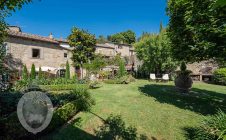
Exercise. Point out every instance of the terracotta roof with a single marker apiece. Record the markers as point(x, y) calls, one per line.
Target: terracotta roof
point(31, 36)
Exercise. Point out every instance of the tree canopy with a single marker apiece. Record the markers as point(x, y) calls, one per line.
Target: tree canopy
point(197, 30)
point(83, 44)
point(127, 37)
point(155, 52)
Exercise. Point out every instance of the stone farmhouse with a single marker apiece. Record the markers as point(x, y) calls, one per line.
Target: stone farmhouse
point(51, 54)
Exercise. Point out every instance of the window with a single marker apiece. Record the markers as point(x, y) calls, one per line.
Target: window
point(65, 55)
point(35, 53)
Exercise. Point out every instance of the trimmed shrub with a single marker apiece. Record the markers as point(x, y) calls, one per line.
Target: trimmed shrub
point(33, 74)
point(93, 84)
point(122, 80)
point(219, 76)
point(21, 85)
point(69, 104)
point(25, 73)
point(212, 128)
point(62, 87)
point(67, 74)
point(61, 81)
point(40, 74)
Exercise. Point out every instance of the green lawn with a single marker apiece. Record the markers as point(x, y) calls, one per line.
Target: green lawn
point(155, 109)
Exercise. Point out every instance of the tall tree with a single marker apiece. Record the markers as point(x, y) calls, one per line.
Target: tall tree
point(122, 68)
point(6, 6)
point(128, 37)
point(40, 73)
point(25, 73)
point(33, 72)
point(83, 44)
point(96, 64)
point(67, 74)
point(155, 52)
point(197, 30)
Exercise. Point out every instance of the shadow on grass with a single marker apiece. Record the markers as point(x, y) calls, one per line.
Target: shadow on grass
point(199, 100)
point(115, 128)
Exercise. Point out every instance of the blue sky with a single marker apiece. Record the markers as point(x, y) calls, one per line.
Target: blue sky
point(100, 17)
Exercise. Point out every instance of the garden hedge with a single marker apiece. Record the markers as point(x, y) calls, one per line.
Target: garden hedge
point(219, 76)
point(62, 87)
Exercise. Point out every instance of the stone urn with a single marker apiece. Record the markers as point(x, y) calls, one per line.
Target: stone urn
point(183, 81)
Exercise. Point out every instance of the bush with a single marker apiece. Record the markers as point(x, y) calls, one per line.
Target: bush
point(122, 80)
point(8, 102)
point(219, 76)
point(33, 72)
point(77, 100)
point(212, 128)
point(21, 85)
point(62, 87)
point(104, 74)
point(93, 84)
point(61, 81)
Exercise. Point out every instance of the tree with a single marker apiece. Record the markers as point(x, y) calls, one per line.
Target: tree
point(67, 74)
point(6, 6)
point(197, 30)
point(40, 73)
point(155, 52)
point(25, 73)
point(84, 46)
point(96, 64)
point(101, 39)
point(127, 37)
point(33, 74)
point(122, 69)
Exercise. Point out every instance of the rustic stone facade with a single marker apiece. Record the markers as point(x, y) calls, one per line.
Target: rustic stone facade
point(51, 55)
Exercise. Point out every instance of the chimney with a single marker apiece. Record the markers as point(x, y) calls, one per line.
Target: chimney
point(14, 28)
point(51, 36)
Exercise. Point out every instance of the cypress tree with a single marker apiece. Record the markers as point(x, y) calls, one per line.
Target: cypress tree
point(24, 73)
point(122, 69)
point(67, 74)
point(33, 74)
point(40, 73)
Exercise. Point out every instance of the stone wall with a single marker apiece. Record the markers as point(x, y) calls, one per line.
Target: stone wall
point(51, 55)
point(204, 67)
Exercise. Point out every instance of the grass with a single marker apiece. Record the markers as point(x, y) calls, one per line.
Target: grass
point(155, 109)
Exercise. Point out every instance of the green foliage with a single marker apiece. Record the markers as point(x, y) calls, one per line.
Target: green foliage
point(197, 30)
point(127, 37)
point(6, 6)
point(62, 87)
point(219, 76)
point(155, 52)
point(93, 84)
point(40, 73)
point(122, 80)
point(183, 66)
point(101, 39)
point(67, 74)
point(104, 74)
point(115, 128)
point(84, 46)
point(21, 85)
point(122, 69)
point(212, 128)
point(12, 5)
point(33, 73)
point(25, 73)
point(96, 64)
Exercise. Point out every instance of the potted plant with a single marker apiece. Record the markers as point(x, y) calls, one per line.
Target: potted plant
point(183, 81)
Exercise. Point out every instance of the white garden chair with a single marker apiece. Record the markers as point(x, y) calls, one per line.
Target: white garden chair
point(152, 77)
point(165, 77)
